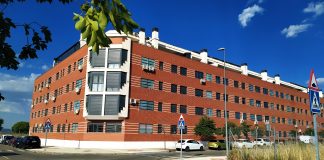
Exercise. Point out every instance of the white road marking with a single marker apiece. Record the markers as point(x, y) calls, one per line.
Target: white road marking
point(5, 157)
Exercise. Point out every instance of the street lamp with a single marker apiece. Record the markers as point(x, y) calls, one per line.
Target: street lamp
point(296, 126)
point(225, 109)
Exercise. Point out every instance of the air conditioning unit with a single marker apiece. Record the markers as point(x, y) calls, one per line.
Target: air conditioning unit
point(151, 68)
point(47, 85)
point(77, 89)
point(202, 81)
point(80, 67)
point(53, 98)
point(45, 101)
point(145, 67)
point(133, 101)
point(76, 111)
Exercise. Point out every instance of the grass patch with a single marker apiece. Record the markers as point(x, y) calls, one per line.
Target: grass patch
point(284, 152)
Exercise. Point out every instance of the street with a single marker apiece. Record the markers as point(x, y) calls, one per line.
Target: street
point(7, 152)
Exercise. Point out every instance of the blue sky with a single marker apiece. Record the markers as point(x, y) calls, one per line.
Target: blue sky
point(284, 37)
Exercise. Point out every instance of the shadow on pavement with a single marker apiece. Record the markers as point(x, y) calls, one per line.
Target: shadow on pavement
point(8, 153)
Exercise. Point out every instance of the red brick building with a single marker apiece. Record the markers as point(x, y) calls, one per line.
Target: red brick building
point(131, 95)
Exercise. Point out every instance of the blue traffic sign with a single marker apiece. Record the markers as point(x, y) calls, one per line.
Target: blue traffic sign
point(48, 124)
point(314, 101)
point(181, 123)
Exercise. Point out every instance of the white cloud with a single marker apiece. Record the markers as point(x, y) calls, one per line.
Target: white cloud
point(316, 8)
point(14, 83)
point(320, 80)
point(294, 30)
point(248, 13)
point(44, 67)
point(11, 107)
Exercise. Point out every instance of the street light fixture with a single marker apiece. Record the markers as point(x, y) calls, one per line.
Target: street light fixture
point(225, 99)
point(296, 126)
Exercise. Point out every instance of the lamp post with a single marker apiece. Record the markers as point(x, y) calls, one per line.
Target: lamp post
point(225, 99)
point(296, 126)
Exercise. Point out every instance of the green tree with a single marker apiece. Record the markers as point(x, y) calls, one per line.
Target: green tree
point(20, 127)
point(292, 133)
point(260, 129)
point(309, 132)
point(321, 133)
point(97, 14)
point(1, 123)
point(245, 129)
point(205, 128)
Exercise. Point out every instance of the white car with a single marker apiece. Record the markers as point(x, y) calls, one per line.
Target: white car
point(262, 142)
point(243, 143)
point(189, 144)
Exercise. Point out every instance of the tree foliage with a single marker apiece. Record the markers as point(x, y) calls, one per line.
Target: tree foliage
point(92, 24)
point(205, 128)
point(293, 133)
point(20, 127)
point(321, 133)
point(309, 132)
point(260, 130)
point(245, 129)
point(1, 123)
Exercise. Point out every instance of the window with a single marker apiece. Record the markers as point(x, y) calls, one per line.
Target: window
point(148, 62)
point(183, 71)
point(57, 76)
point(183, 109)
point(95, 127)
point(74, 66)
point(257, 89)
point(226, 97)
point(265, 91)
point(283, 120)
point(98, 59)
point(174, 68)
point(252, 117)
point(265, 104)
point(272, 105)
point(58, 129)
point(115, 80)
point(199, 111)
point(160, 86)
point(251, 102)
point(226, 114)
point(282, 108)
point(281, 95)
point(271, 92)
point(236, 84)
point(96, 81)
point(243, 100)
point(78, 83)
point(94, 104)
point(80, 62)
point(113, 127)
point(225, 81)
point(117, 57)
point(237, 115)
point(258, 103)
point(218, 95)
point(46, 112)
point(146, 105)
point(67, 88)
point(161, 66)
point(209, 112)
point(76, 105)
point(251, 88)
point(237, 99)
point(243, 85)
point(173, 129)
point(278, 120)
point(160, 106)
point(69, 69)
point(273, 119)
point(65, 107)
point(218, 113)
point(288, 109)
point(147, 83)
point(146, 128)
point(53, 110)
point(173, 88)
point(160, 128)
point(209, 77)
point(199, 93)
point(183, 90)
point(209, 94)
point(199, 75)
point(244, 116)
point(218, 80)
point(173, 108)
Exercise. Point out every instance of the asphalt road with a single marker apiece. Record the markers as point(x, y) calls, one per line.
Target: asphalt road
point(10, 153)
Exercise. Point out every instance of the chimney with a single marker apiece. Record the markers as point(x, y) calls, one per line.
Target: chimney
point(264, 75)
point(82, 41)
point(204, 56)
point(244, 69)
point(277, 79)
point(141, 36)
point(155, 38)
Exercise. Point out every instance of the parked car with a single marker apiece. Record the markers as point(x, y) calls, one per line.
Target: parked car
point(15, 141)
point(29, 142)
point(217, 144)
point(189, 144)
point(243, 143)
point(2, 138)
point(262, 142)
point(7, 139)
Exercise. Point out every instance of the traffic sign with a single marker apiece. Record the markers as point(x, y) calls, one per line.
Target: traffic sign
point(312, 84)
point(47, 124)
point(314, 101)
point(181, 123)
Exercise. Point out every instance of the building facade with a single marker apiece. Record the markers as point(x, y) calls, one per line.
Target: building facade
point(131, 95)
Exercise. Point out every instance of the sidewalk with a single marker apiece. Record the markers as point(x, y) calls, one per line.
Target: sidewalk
point(60, 150)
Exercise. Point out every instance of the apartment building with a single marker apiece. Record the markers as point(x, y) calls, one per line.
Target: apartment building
point(131, 95)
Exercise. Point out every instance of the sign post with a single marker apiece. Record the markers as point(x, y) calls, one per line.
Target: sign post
point(47, 126)
point(181, 126)
point(314, 106)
